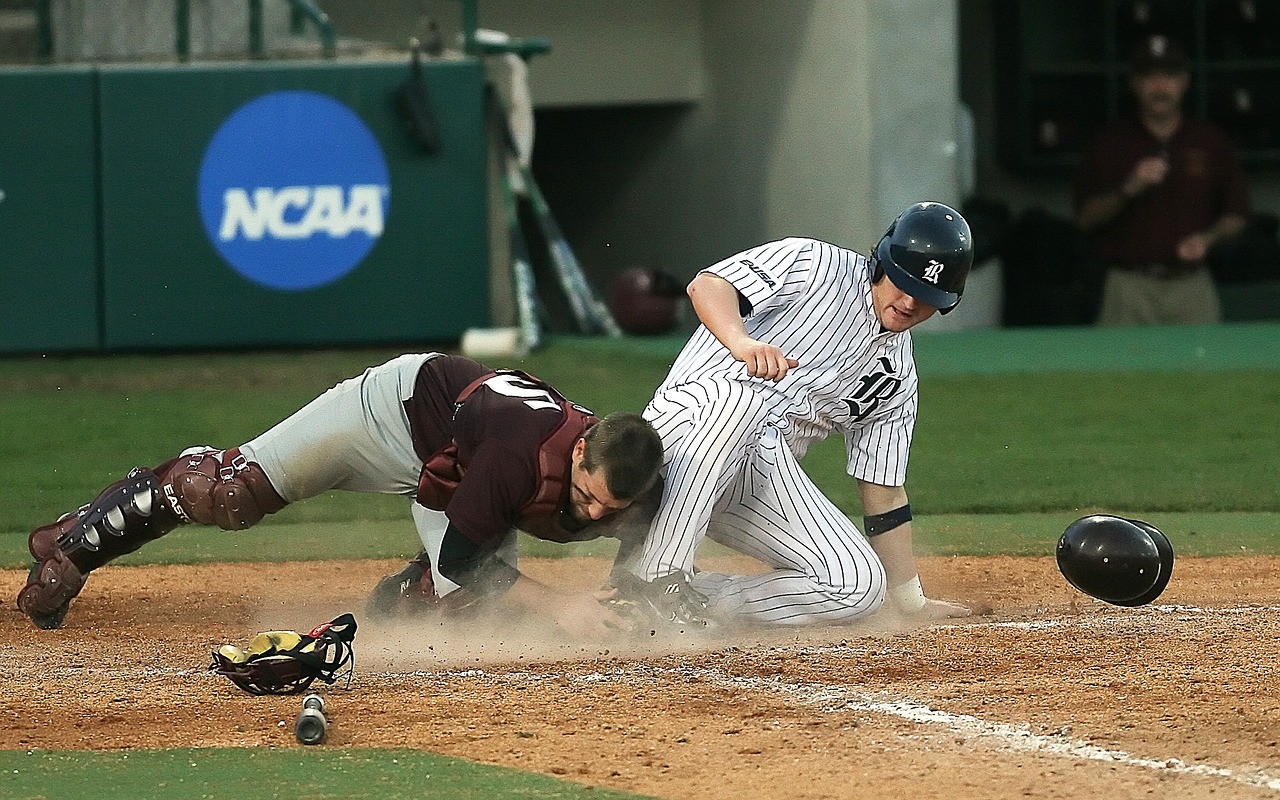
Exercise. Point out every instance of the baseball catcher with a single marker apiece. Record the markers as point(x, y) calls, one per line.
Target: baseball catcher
point(479, 453)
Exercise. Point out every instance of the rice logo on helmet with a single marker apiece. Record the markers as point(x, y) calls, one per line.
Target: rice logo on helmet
point(293, 190)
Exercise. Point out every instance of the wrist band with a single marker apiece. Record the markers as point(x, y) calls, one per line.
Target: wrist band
point(876, 524)
point(909, 596)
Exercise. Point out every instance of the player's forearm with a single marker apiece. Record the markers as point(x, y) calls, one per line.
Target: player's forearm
point(893, 547)
point(579, 614)
point(1100, 209)
point(529, 595)
point(715, 301)
point(1228, 225)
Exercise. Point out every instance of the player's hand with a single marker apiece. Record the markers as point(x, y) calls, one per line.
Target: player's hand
point(763, 360)
point(584, 615)
point(1146, 173)
point(946, 609)
point(1193, 248)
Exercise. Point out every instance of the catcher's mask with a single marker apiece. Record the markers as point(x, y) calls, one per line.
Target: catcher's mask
point(286, 662)
point(1126, 562)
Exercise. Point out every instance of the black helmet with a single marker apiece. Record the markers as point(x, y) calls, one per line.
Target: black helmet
point(1126, 562)
point(927, 253)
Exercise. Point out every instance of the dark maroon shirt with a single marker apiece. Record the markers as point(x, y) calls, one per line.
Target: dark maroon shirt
point(498, 431)
point(1205, 181)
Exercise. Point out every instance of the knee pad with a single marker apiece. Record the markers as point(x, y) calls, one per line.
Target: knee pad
point(218, 487)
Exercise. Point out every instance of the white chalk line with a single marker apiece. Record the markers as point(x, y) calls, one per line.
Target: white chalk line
point(1006, 736)
point(1132, 617)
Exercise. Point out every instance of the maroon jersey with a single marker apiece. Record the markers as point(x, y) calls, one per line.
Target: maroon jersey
point(1205, 181)
point(509, 443)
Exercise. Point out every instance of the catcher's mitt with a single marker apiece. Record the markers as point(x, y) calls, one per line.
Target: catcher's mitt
point(669, 603)
point(286, 662)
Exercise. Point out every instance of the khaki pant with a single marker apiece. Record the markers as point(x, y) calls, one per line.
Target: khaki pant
point(356, 437)
point(1130, 298)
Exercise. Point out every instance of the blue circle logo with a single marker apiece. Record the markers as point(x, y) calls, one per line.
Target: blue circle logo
point(293, 190)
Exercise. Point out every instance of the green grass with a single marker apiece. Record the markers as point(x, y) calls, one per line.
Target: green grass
point(1019, 433)
point(1025, 534)
point(236, 774)
point(1169, 442)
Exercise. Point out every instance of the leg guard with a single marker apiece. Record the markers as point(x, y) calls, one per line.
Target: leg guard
point(218, 487)
point(125, 516)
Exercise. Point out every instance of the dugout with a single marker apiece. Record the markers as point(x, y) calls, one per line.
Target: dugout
point(239, 204)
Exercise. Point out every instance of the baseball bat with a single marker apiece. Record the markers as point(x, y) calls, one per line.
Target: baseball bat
point(521, 269)
point(592, 314)
point(311, 726)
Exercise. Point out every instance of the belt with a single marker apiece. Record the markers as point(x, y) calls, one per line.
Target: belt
point(1178, 269)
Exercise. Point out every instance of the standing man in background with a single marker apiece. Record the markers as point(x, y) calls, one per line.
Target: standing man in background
point(799, 339)
point(1155, 192)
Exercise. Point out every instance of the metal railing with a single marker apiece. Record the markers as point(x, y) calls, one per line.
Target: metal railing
point(300, 12)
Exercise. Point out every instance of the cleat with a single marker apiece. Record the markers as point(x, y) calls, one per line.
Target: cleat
point(51, 585)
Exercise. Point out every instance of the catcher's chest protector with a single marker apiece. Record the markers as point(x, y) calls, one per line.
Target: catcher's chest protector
point(539, 516)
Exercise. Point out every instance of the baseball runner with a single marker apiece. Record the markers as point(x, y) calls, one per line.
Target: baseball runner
point(482, 452)
point(799, 339)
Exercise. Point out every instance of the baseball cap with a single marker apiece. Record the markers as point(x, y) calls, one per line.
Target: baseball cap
point(1157, 53)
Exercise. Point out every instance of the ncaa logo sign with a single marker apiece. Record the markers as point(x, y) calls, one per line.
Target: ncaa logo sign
point(293, 190)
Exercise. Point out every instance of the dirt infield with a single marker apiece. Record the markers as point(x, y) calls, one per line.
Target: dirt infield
point(1052, 696)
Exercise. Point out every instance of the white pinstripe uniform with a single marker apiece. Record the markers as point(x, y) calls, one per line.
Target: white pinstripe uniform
point(729, 475)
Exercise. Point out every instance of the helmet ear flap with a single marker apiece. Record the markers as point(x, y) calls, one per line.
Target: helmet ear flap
point(877, 266)
point(877, 269)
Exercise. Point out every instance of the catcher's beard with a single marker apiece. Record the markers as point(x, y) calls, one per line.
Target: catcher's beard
point(573, 520)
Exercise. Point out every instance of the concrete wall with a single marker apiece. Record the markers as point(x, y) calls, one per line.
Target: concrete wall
point(603, 52)
point(672, 133)
point(792, 119)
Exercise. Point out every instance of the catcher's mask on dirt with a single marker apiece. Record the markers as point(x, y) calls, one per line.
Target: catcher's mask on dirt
point(927, 253)
point(1126, 562)
point(286, 662)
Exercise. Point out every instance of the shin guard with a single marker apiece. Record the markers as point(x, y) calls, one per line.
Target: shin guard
point(125, 516)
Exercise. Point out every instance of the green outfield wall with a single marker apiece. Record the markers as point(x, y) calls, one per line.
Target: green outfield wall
point(48, 210)
point(239, 205)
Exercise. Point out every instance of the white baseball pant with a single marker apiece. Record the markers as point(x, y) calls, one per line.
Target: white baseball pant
point(732, 478)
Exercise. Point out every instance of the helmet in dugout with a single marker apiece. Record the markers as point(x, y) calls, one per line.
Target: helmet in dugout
point(927, 253)
point(1126, 562)
point(645, 302)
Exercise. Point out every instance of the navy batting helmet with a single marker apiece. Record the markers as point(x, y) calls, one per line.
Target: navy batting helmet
point(927, 253)
point(1126, 562)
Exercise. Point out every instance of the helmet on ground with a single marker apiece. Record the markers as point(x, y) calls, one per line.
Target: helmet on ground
point(1126, 562)
point(645, 302)
point(927, 253)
